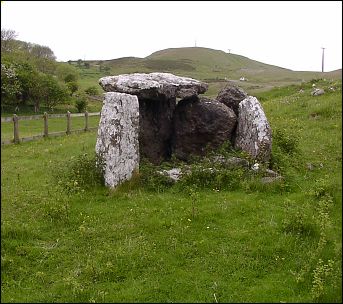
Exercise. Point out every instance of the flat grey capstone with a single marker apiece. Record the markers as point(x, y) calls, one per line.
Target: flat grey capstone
point(152, 85)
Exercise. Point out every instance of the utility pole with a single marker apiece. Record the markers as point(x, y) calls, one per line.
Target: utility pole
point(195, 43)
point(323, 59)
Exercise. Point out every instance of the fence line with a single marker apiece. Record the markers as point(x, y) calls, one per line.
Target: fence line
point(16, 139)
point(35, 117)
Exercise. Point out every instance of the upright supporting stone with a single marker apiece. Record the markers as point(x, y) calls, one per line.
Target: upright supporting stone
point(86, 121)
point(46, 132)
point(68, 123)
point(253, 134)
point(117, 142)
point(15, 128)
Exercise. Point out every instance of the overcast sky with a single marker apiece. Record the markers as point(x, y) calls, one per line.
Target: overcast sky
point(286, 34)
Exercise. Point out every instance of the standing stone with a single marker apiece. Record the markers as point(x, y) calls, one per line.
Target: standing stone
point(253, 134)
point(201, 123)
point(117, 141)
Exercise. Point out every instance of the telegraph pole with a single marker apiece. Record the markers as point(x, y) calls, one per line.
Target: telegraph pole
point(323, 59)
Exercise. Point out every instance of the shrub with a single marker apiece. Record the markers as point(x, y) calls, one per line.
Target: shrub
point(72, 87)
point(299, 224)
point(151, 179)
point(92, 91)
point(81, 103)
point(286, 141)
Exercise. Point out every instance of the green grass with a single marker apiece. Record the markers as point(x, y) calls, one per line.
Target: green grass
point(179, 244)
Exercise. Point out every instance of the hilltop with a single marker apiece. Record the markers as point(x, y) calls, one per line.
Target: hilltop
point(213, 66)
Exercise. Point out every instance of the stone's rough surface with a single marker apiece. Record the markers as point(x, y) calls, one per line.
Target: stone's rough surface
point(174, 174)
point(117, 141)
point(156, 128)
point(200, 123)
point(153, 85)
point(232, 162)
point(317, 92)
point(231, 96)
point(253, 133)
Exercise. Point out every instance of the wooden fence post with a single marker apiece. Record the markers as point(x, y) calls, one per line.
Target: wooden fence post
point(46, 132)
point(68, 122)
point(16, 128)
point(86, 119)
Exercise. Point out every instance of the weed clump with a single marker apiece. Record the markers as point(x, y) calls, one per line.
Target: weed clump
point(81, 173)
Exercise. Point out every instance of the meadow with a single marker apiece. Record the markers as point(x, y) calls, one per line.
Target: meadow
point(221, 238)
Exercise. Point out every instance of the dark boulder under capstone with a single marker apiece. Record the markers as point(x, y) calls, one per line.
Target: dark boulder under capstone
point(201, 123)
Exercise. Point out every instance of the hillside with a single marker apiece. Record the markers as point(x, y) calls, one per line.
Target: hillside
point(213, 66)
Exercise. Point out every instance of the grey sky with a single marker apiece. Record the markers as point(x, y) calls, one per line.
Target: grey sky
point(286, 34)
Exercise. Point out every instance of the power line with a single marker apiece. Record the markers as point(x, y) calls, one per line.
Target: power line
point(323, 59)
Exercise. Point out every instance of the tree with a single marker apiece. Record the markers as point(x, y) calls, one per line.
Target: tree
point(10, 85)
point(70, 78)
point(79, 63)
point(7, 40)
point(53, 93)
point(66, 72)
point(81, 102)
point(100, 62)
point(72, 87)
point(41, 51)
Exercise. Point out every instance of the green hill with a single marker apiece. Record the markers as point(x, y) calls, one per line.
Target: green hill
point(213, 66)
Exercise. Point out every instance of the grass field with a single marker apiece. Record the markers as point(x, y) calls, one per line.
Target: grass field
point(68, 241)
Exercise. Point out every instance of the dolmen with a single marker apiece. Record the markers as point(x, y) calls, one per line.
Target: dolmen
point(159, 115)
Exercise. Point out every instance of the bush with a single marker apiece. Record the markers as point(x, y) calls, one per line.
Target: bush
point(81, 103)
point(92, 91)
point(72, 87)
point(151, 180)
point(71, 77)
point(286, 141)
